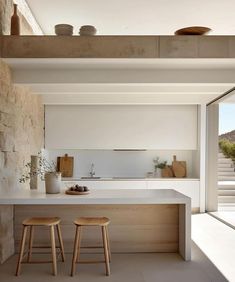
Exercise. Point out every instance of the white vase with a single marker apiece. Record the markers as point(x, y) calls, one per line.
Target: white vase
point(53, 182)
point(158, 173)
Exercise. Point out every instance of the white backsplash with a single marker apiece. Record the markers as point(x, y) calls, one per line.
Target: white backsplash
point(110, 163)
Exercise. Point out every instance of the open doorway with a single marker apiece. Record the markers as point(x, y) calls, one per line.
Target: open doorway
point(226, 161)
point(226, 155)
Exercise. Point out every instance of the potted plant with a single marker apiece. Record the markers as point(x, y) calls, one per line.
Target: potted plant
point(158, 166)
point(46, 171)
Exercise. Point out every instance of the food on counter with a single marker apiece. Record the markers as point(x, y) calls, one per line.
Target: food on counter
point(78, 188)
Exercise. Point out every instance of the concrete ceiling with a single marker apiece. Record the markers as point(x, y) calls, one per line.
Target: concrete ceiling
point(136, 17)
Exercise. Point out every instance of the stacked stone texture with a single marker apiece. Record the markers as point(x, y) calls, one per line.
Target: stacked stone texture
point(21, 131)
point(21, 135)
point(6, 8)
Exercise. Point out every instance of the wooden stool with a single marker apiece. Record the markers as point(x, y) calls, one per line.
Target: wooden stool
point(91, 221)
point(40, 221)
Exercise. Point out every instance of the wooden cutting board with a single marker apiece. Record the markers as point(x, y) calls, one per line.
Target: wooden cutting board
point(179, 168)
point(65, 165)
point(167, 171)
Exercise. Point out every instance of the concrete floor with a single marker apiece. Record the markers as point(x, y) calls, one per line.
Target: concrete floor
point(217, 241)
point(124, 267)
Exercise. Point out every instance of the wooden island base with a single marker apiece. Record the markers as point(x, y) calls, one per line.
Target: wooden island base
point(133, 228)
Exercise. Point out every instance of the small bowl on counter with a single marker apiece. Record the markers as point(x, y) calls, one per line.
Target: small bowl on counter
point(88, 30)
point(64, 29)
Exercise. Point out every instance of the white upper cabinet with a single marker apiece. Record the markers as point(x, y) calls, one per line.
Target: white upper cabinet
point(121, 127)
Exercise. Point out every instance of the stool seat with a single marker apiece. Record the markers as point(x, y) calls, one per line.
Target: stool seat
point(41, 221)
point(92, 221)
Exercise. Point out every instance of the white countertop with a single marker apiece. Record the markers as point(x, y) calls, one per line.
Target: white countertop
point(129, 179)
point(129, 196)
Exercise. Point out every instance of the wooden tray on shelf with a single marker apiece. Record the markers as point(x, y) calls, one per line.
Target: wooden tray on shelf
point(76, 192)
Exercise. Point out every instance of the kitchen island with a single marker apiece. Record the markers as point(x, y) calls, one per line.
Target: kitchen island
point(141, 220)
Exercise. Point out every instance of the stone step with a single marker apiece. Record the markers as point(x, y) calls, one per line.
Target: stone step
point(226, 169)
point(226, 173)
point(226, 178)
point(230, 192)
point(224, 161)
point(226, 199)
point(221, 155)
point(226, 187)
point(224, 165)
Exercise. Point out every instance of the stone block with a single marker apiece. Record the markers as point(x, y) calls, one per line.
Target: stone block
point(2, 160)
point(178, 47)
point(3, 181)
point(231, 46)
point(5, 12)
point(6, 141)
point(7, 119)
point(11, 160)
point(81, 47)
point(213, 47)
point(7, 249)
point(6, 213)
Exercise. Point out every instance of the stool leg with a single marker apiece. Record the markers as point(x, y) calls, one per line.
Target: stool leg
point(22, 244)
point(53, 250)
point(79, 242)
point(106, 254)
point(31, 232)
point(108, 243)
point(75, 249)
point(60, 242)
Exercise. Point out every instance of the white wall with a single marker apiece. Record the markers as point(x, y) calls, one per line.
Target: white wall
point(110, 163)
point(161, 127)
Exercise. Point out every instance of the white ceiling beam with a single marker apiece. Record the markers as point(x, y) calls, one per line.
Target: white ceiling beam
point(129, 88)
point(123, 76)
point(126, 99)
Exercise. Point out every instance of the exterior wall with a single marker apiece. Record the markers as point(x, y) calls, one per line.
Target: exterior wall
point(6, 11)
point(21, 135)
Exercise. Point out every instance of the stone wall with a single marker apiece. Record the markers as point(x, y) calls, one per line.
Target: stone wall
point(21, 135)
point(6, 11)
point(21, 128)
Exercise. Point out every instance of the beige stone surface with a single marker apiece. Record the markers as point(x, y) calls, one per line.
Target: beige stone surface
point(213, 47)
point(81, 46)
point(6, 7)
point(2, 160)
point(231, 48)
point(178, 47)
point(21, 135)
point(6, 232)
point(118, 47)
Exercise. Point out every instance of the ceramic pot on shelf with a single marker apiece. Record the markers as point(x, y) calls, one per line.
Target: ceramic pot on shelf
point(15, 22)
point(53, 182)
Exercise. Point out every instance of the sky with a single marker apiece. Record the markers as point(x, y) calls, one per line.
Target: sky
point(226, 118)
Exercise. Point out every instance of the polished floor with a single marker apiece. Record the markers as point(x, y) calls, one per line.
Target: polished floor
point(217, 241)
point(124, 267)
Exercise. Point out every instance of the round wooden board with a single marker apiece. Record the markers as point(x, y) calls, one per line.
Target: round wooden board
point(68, 192)
point(193, 30)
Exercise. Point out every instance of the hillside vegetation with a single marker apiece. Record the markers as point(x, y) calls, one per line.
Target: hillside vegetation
point(227, 144)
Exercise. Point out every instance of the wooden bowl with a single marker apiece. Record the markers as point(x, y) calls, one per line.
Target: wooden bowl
point(88, 30)
point(69, 192)
point(193, 30)
point(64, 29)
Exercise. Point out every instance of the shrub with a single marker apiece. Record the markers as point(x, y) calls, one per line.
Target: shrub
point(228, 148)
